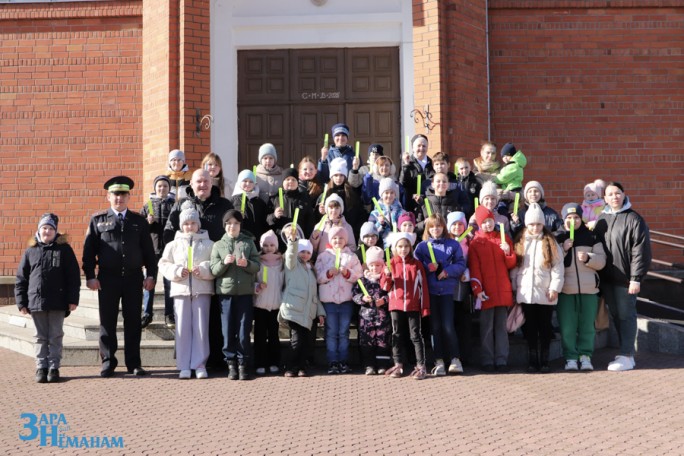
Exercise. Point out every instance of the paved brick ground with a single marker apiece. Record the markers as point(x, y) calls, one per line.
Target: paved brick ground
point(633, 413)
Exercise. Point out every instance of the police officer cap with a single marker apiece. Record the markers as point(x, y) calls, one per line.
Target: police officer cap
point(119, 184)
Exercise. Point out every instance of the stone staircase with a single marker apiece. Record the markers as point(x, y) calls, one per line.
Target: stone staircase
point(81, 332)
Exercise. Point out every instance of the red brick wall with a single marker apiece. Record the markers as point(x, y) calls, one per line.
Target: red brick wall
point(70, 114)
point(594, 89)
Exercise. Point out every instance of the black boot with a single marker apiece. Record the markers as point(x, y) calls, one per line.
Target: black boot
point(243, 372)
point(232, 370)
point(544, 361)
point(41, 375)
point(533, 362)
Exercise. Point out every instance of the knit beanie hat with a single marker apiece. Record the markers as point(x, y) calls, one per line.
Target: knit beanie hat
point(340, 128)
point(533, 184)
point(534, 214)
point(398, 236)
point(160, 178)
point(417, 137)
point(571, 208)
point(375, 149)
point(368, 229)
point(508, 149)
point(338, 231)
point(335, 197)
point(598, 186)
point(482, 214)
point(270, 237)
point(267, 149)
point(290, 172)
point(454, 217)
point(386, 184)
point(177, 153)
point(406, 217)
point(489, 189)
point(304, 245)
point(48, 219)
point(246, 174)
point(189, 215)
point(375, 255)
point(338, 166)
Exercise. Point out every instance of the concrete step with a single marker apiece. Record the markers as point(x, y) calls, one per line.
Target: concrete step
point(78, 352)
point(88, 306)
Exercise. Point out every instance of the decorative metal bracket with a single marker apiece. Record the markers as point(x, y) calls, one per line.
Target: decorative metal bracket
point(202, 122)
point(424, 117)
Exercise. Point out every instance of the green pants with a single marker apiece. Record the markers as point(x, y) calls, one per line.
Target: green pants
point(576, 316)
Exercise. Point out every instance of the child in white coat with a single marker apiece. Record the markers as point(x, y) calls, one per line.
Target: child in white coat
point(185, 263)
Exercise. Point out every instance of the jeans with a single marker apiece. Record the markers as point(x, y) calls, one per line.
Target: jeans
point(237, 313)
point(49, 335)
point(444, 339)
point(622, 306)
point(148, 300)
point(338, 317)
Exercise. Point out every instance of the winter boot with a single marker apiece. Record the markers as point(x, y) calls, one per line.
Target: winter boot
point(533, 362)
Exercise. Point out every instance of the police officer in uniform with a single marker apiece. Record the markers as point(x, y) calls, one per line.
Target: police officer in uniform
point(118, 242)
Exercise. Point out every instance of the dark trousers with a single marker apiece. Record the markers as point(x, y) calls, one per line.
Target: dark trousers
point(403, 324)
point(237, 313)
point(128, 290)
point(538, 330)
point(463, 319)
point(300, 347)
point(148, 300)
point(215, 360)
point(266, 340)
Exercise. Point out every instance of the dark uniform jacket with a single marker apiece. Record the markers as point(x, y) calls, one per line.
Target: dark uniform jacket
point(211, 213)
point(118, 252)
point(48, 277)
point(161, 208)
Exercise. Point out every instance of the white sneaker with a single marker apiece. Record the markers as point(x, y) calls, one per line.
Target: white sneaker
point(585, 363)
point(201, 373)
point(622, 363)
point(273, 369)
point(455, 367)
point(261, 371)
point(184, 374)
point(571, 365)
point(439, 370)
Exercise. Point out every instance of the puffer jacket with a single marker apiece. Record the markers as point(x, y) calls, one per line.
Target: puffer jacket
point(489, 267)
point(449, 257)
point(48, 277)
point(581, 277)
point(300, 297)
point(511, 175)
point(626, 240)
point(347, 152)
point(391, 216)
point(552, 220)
point(211, 213)
point(408, 178)
point(408, 286)
point(270, 298)
point(232, 279)
point(268, 180)
point(591, 211)
point(175, 259)
point(531, 279)
point(337, 289)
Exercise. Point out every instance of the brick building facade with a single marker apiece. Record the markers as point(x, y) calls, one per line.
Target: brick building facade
point(93, 89)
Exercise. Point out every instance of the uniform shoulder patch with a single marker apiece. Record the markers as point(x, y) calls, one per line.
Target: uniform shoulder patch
point(103, 212)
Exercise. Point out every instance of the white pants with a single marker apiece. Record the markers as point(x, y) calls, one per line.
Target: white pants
point(192, 331)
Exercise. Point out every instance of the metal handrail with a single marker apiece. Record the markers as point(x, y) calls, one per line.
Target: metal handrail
point(658, 241)
point(665, 277)
point(668, 264)
point(660, 233)
point(657, 304)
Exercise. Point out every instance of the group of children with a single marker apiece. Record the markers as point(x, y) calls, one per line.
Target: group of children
point(308, 267)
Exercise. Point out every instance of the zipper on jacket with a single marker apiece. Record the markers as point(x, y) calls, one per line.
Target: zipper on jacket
point(403, 268)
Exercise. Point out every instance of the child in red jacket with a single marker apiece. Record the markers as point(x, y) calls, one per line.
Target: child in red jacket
point(489, 260)
point(408, 302)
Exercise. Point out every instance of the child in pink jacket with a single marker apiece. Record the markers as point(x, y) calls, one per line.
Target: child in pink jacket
point(337, 270)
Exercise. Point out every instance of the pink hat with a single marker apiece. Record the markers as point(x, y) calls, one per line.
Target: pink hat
point(407, 217)
point(598, 186)
point(375, 255)
point(338, 231)
point(268, 236)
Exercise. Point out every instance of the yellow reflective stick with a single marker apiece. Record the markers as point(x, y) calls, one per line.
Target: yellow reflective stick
point(428, 208)
point(363, 288)
point(363, 252)
point(319, 227)
point(244, 202)
point(377, 206)
point(150, 210)
point(516, 204)
point(254, 170)
point(408, 144)
point(503, 235)
point(465, 233)
point(419, 184)
point(265, 274)
point(325, 190)
point(477, 202)
point(387, 257)
point(456, 169)
point(357, 148)
point(280, 198)
point(294, 219)
point(189, 258)
point(572, 230)
point(337, 258)
point(325, 141)
point(432, 253)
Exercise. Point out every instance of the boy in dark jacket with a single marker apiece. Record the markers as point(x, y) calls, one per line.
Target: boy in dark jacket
point(467, 183)
point(47, 286)
point(156, 211)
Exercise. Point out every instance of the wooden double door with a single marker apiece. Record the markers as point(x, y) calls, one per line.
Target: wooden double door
point(292, 97)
